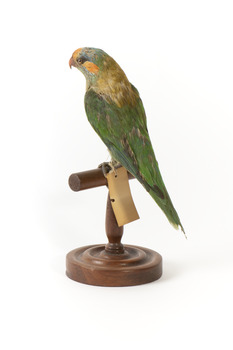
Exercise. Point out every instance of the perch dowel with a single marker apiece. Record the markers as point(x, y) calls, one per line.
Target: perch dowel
point(89, 179)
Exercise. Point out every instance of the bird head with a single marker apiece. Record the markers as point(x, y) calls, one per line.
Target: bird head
point(89, 61)
point(104, 75)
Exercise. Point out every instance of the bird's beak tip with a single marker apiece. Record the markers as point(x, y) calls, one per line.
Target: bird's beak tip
point(71, 62)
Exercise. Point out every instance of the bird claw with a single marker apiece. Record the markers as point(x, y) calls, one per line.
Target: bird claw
point(107, 167)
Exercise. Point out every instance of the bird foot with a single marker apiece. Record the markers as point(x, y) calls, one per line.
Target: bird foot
point(108, 167)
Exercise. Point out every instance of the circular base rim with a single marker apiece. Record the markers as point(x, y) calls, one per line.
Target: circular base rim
point(94, 266)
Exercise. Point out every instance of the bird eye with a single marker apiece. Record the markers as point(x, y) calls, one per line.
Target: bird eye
point(80, 60)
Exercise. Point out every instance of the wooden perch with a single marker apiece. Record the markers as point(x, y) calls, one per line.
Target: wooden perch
point(110, 264)
point(89, 179)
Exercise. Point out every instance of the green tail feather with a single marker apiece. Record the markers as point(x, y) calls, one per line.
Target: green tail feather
point(167, 207)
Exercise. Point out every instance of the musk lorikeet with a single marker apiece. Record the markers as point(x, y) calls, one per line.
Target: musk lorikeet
point(115, 111)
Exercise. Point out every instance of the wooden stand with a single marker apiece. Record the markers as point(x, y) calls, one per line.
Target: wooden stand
point(113, 264)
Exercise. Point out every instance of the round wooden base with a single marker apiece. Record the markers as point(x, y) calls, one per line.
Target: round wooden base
point(96, 266)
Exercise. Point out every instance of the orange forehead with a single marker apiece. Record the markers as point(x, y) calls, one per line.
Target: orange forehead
point(76, 53)
point(92, 67)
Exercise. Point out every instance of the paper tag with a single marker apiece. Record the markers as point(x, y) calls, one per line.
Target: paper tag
point(121, 198)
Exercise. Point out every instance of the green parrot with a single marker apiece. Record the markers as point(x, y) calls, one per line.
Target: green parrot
point(115, 111)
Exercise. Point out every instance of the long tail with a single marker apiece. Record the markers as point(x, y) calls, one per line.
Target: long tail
point(167, 207)
point(159, 193)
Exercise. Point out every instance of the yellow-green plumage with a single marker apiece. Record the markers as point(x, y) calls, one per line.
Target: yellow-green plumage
point(115, 111)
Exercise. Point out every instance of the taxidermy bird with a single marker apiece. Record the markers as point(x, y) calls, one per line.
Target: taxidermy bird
point(115, 111)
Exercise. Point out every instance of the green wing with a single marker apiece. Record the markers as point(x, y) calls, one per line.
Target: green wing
point(124, 131)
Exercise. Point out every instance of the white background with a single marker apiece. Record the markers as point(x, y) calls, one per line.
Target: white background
point(179, 55)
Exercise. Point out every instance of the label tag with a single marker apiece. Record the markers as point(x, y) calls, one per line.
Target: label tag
point(121, 198)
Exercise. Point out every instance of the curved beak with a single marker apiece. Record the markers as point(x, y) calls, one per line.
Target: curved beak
point(71, 62)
